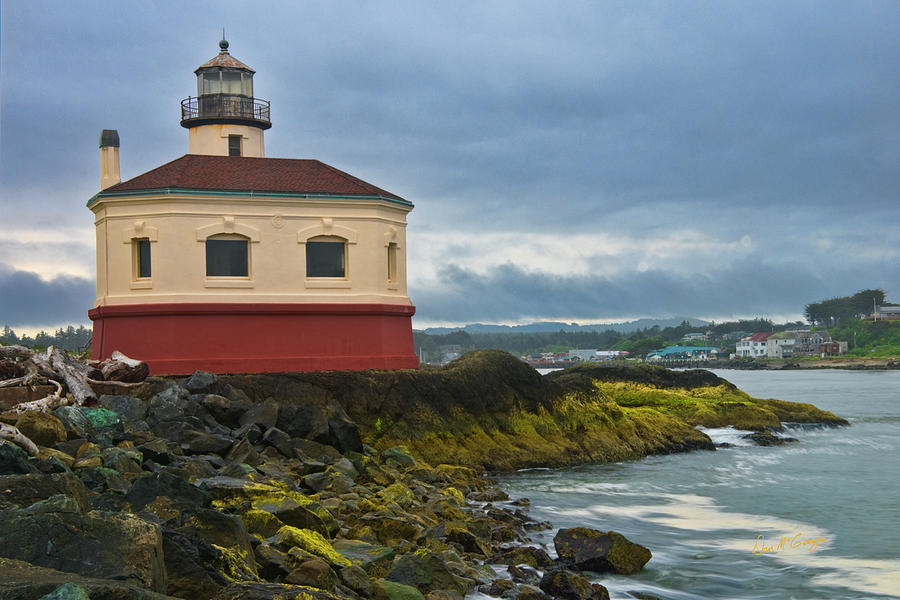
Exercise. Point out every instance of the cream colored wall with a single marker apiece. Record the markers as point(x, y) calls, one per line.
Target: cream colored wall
point(213, 140)
point(176, 226)
point(109, 166)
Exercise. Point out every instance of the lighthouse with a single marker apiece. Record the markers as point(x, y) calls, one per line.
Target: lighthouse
point(227, 261)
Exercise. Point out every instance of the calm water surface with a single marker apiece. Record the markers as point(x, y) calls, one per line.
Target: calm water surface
point(702, 514)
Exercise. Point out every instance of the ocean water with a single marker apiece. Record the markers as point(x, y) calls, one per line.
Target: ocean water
point(816, 519)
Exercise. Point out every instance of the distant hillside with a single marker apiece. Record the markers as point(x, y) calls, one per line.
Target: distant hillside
point(554, 326)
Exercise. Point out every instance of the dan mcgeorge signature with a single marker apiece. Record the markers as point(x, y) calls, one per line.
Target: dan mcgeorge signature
point(787, 542)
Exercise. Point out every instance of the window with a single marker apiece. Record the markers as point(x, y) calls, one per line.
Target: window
point(234, 145)
point(392, 262)
point(227, 255)
point(141, 258)
point(326, 257)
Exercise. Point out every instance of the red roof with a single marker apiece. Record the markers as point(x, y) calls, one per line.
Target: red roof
point(245, 174)
point(759, 337)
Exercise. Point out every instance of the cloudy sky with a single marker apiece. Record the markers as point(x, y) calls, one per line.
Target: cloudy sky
point(578, 161)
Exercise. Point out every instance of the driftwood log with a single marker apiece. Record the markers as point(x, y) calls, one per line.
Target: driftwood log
point(10, 433)
point(55, 366)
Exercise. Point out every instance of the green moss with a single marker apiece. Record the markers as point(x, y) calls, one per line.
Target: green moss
point(310, 541)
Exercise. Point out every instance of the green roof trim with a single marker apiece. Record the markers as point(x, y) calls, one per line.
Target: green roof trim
point(199, 192)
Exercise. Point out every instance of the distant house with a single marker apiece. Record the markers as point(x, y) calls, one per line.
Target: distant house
point(693, 337)
point(683, 353)
point(584, 355)
point(803, 342)
point(753, 346)
point(886, 313)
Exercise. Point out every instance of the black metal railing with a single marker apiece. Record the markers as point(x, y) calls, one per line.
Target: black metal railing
point(225, 105)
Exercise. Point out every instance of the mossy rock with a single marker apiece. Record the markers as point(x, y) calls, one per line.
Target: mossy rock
point(600, 551)
point(374, 559)
point(310, 541)
point(391, 590)
point(426, 571)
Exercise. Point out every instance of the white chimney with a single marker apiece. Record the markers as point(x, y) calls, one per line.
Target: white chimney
point(109, 158)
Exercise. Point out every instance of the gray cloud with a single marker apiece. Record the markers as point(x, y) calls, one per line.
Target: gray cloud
point(750, 287)
point(28, 301)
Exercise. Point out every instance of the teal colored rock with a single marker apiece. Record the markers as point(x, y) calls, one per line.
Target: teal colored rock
point(100, 417)
point(67, 591)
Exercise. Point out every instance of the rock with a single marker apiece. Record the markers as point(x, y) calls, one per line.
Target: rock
point(200, 382)
point(53, 533)
point(310, 541)
point(571, 586)
point(767, 438)
point(314, 572)
point(182, 494)
point(523, 555)
point(24, 490)
point(398, 456)
point(323, 421)
point(126, 461)
point(355, 578)
point(500, 588)
point(524, 574)
point(530, 592)
point(592, 550)
point(76, 422)
point(43, 429)
point(274, 591)
point(391, 590)
point(22, 581)
point(330, 480)
point(129, 409)
point(199, 442)
point(425, 571)
point(192, 565)
point(15, 460)
point(279, 440)
point(263, 414)
point(375, 560)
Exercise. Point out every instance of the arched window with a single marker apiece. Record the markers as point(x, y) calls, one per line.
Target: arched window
point(227, 255)
point(326, 256)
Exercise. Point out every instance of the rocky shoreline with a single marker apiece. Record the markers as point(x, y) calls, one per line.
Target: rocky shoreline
point(338, 485)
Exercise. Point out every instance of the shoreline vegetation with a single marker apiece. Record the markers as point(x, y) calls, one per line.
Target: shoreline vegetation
point(351, 485)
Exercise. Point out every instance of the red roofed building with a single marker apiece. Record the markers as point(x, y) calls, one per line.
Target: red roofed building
point(227, 261)
point(753, 346)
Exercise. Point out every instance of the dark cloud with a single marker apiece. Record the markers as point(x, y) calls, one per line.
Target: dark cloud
point(751, 287)
point(26, 300)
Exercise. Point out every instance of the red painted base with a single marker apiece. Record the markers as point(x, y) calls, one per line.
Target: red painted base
point(177, 339)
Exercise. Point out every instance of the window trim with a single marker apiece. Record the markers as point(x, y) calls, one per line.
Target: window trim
point(327, 228)
point(229, 226)
point(139, 231)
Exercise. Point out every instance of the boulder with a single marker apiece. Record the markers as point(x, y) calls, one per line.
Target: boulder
point(201, 381)
point(41, 428)
point(275, 591)
point(15, 460)
point(25, 490)
point(425, 571)
point(22, 581)
point(375, 560)
point(262, 414)
point(523, 555)
point(129, 409)
point(288, 538)
point(600, 551)
point(313, 572)
point(567, 585)
point(391, 590)
point(54, 533)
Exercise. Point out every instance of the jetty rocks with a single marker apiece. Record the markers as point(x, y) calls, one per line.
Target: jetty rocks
point(335, 485)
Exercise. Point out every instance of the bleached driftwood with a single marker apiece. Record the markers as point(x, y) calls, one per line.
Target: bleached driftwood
point(46, 404)
point(74, 373)
point(122, 368)
point(10, 433)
